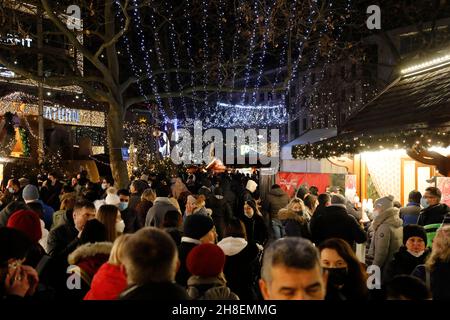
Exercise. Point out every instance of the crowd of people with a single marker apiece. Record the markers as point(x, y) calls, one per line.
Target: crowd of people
point(211, 237)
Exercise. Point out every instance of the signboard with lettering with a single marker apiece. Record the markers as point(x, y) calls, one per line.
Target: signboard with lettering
point(14, 40)
point(62, 114)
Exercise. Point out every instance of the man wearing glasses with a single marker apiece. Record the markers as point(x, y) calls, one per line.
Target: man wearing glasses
point(434, 213)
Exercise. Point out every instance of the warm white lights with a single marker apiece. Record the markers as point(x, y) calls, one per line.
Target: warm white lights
point(428, 64)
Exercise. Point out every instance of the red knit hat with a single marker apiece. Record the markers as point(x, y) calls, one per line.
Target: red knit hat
point(28, 222)
point(205, 260)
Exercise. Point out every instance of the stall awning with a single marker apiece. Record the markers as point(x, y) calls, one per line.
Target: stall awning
point(414, 109)
point(310, 136)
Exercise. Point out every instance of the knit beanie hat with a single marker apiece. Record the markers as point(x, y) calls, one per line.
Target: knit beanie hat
point(197, 225)
point(384, 203)
point(30, 193)
point(338, 199)
point(112, 199)
point(251, 186)
point(414, 230)
point(28, 222)
point(14, 244)
point(205, 260)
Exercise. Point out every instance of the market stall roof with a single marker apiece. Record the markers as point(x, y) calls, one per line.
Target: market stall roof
point(413, 109)
point(309, 136)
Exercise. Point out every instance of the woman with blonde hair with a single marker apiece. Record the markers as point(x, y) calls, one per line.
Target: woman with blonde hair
point(436, 270)
point(109, 215)
point(293, 220)
point(110, 280)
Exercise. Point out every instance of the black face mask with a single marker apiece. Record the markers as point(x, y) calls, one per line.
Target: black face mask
point(337, 276)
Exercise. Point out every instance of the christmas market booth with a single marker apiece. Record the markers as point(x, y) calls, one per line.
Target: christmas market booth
point(19, 136)
point(400, 140)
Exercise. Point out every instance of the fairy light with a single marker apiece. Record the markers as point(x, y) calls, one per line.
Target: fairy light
point(221, 45)
point(235, 47)
point(301, 47)
point(172, 36)
point(314, 87)
point(126, 43)
point(268, 14)
point(187, 16)
point(159, 56)
point(146, 59)
point(437, 62)
point(251, 51)
point(311, 65)
point(205, 47)
point(394, 140)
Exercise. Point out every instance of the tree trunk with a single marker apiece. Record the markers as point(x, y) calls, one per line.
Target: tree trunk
point(115, 136)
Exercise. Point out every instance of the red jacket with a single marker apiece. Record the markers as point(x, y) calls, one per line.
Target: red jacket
point(109, 281)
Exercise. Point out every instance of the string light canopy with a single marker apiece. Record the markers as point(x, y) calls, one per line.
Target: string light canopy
point(191, 63)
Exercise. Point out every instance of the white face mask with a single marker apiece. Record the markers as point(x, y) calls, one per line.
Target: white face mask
point(416, 254)
point(104, 186)
point(11, 190)
point(120, 226)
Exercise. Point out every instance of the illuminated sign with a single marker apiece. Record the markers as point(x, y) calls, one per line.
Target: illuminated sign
point(62, 114)
point(13, 40)
point(4, 72)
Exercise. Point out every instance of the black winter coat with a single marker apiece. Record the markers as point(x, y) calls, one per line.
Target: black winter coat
point(242, 269)
point(183, 274)
point(434, 214)
point(439, 279)
point(404, 263)
point(255, 228)
point(335, 222)
point(221, 213)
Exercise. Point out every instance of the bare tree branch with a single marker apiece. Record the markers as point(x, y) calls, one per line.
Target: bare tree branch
point(119, 34)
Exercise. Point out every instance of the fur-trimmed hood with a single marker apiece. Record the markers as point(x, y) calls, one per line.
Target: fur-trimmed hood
point(89, 250)
point(285, 214)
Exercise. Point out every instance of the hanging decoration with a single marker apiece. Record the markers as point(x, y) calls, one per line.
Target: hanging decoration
point(354, 144)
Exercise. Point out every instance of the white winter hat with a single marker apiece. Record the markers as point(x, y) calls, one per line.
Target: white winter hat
point(251, 185)
point(112, 199)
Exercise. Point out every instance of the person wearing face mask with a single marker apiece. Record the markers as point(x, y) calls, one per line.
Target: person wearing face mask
point(346, 275)
point(387, 233)
point(293, 221)
point(434, 213)
point(255, 227)
point(107, 182)
point(11, 194)
point(129, 216)
point(411, 254)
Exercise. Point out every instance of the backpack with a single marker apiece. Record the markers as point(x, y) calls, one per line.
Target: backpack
point(431, 230)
